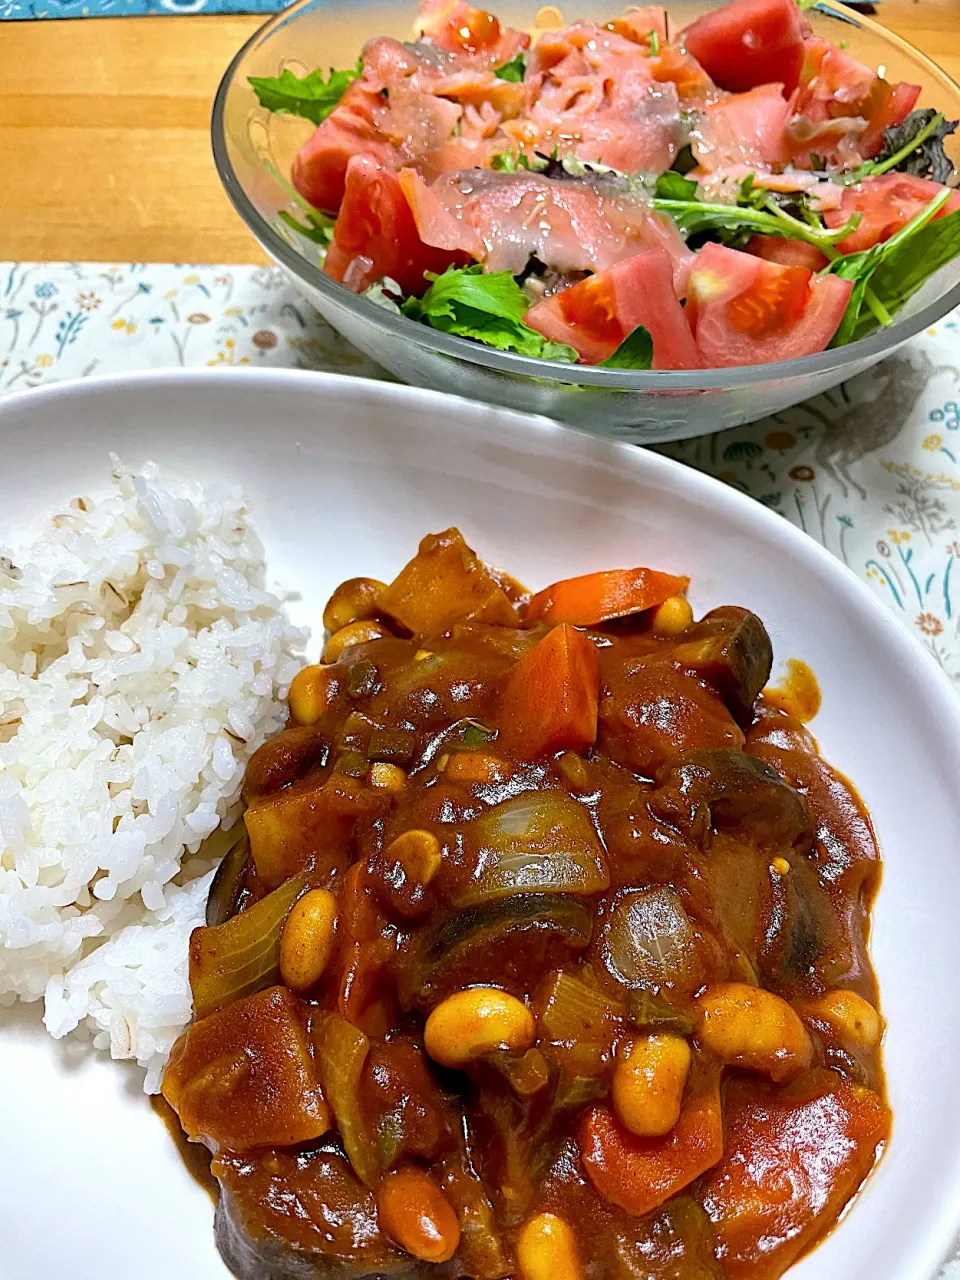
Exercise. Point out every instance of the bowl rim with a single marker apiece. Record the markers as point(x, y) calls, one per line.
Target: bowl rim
point(867, 350)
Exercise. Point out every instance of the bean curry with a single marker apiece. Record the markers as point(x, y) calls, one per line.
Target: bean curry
point(542, 953)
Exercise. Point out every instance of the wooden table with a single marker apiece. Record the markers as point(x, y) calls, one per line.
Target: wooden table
point(104, 133)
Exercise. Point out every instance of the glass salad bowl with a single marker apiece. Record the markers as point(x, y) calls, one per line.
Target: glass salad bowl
point(254, 150)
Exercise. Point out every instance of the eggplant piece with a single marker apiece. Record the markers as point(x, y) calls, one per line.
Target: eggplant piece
point(677, 1243)
point(846, 856)
point(737, 795)
point(781, 922)
point(226, 889)
point(729, 648)
point(801, 928)
point(446, 686)
point(511, 942)
point(651, 709)
point(744, 816)
point(304, 1215)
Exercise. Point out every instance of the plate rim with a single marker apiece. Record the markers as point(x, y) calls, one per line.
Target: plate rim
point(941, 1233)
point(641, 456)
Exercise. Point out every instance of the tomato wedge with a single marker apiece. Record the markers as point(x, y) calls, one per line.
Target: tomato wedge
point(600, 597)
point(638, 1174)
point(320, 168)
point(835, 90)
point(550, 698)
point(472, 33)
point(749, 43)
point(596, 315)
point(744, 310)
point(375, 234)
point(787, 253)
point(888, 105)
point(885, 203)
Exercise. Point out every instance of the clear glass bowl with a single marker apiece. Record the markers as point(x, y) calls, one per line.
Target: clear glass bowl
point(254, 150)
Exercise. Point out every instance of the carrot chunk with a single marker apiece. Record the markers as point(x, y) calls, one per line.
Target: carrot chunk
point(549, 699)
point(599, 597)
point(365, 948)
point(639, 1174)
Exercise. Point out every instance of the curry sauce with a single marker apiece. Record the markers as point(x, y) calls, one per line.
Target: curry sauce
point(544, 953)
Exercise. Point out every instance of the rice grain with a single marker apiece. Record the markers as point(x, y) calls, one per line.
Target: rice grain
point(142, 661)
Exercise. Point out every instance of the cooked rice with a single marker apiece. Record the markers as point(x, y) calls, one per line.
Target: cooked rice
point(142, 661)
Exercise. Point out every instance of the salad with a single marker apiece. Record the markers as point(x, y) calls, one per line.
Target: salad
point(736, 192)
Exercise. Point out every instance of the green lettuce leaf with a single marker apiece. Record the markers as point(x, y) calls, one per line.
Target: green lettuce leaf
point(738, 222)
point(513, 70)
point(515, 161)
point(758, 210)
point(906, 269)
point(634, 352)
point(914, 146)
point(890, 273)
point(674, 186)
point(486, 307)
point(309, 96)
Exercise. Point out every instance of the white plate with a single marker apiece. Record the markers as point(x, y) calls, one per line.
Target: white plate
point(345, 477)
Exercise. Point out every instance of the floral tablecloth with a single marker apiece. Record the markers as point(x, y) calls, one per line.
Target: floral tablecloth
point(871, 470)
